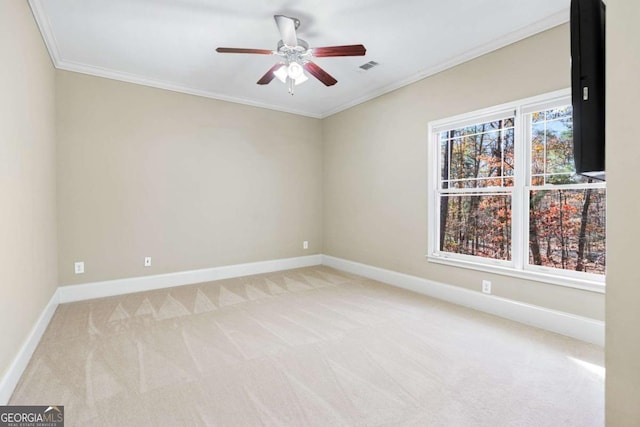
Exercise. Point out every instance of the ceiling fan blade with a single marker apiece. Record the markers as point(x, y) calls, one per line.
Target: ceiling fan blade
point(287, 27)
point(350, 50)
point(241, 50)
point(320, 74)
point(266, 79)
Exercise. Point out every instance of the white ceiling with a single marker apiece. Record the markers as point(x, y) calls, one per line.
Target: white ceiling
point(171, 43)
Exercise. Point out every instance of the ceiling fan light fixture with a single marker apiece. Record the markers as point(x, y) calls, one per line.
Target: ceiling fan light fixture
point(295, 70)
point(281, 73)
point(303, 78)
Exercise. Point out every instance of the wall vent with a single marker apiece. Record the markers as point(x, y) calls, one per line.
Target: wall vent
point(369, 65)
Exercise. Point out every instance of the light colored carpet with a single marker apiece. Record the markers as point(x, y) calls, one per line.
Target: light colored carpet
point(312, 346)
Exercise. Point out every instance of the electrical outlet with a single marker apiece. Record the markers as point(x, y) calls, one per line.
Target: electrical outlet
point(486, 286)
point(305, 245)
point(78, 267)
point(147, 261)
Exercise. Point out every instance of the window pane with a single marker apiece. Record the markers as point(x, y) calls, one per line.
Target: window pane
point(478, 156)
point(538, 148)
point(508, 150)
point(537, 180)
point(444, 159)
point(559, 136)
point(559, 113)
point(567, 229)
point(476, 225)
point(537, 117)
point(552, 148)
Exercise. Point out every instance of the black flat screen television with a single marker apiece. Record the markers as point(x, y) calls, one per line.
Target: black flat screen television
point(587, 23)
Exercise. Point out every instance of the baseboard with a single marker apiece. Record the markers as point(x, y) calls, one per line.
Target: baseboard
point(136, 284)
point(109, 288)
point(20, 362)
point(582, 328)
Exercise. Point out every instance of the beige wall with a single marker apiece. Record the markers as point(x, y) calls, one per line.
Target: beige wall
point(375, 170)
point(192, 182)
point(183, 179)
point(623, 205)
point(27, 178)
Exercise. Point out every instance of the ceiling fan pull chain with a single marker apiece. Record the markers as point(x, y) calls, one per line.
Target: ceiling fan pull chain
point(292, 85)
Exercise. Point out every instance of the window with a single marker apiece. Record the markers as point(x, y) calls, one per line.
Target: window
point(504, 195)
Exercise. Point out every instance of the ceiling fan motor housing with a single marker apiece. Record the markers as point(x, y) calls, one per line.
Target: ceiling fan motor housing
point(298, 54)
point(301, 48)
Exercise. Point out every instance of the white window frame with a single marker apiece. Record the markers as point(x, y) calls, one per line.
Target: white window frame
point(519, 265)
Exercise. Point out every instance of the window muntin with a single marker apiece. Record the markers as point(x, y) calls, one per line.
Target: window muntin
point(505, 177)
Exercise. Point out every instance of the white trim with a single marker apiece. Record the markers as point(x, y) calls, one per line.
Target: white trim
point(93, 290)
point(54, 52)
point(519, 225)
point(70, 293)
point(469, 119)
point(518, 266)
point(528, 31)
point(44, 25)
point(159, 84)
point(545, 275)
point(595, 185)
point(582, 328)
point(513, 37)
point(20, 362)
point(549, 97)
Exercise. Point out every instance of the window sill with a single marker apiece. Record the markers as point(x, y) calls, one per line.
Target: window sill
point(571, 282)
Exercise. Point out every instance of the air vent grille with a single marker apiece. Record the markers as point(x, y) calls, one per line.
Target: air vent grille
point(369, 65)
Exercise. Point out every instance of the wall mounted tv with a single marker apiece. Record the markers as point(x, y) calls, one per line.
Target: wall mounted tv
point(588, 86)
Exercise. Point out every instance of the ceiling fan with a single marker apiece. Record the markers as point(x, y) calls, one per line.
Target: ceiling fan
point(296, 56)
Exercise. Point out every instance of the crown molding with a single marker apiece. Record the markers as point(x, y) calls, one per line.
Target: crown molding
point(513, 37)
point(159, 84)
point(44, 25)
point(52, 46)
